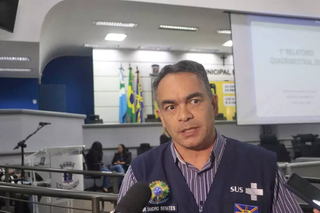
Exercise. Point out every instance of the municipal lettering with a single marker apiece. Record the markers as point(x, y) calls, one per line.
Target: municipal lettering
point(218, 72)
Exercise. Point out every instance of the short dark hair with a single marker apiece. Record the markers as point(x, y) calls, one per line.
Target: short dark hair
point(183, 66)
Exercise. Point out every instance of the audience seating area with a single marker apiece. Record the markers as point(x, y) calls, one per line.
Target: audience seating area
point(303, 145)
point(271, 143)
point(144, 147)
point(307, 145)
point(305, 162)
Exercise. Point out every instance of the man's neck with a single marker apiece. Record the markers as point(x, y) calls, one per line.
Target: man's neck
point(199, 157)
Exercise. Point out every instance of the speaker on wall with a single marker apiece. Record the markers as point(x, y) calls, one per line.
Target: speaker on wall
point(8, 12)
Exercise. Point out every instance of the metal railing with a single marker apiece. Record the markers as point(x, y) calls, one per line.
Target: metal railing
point(81, 172)
point(113, 175)
point(95, 198)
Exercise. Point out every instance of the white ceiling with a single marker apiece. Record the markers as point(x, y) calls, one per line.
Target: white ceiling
point(31, 14)
point(69, 25)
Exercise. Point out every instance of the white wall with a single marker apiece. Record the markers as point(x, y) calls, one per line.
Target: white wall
point(131, 135)
point(106, 65)
point(63, 131)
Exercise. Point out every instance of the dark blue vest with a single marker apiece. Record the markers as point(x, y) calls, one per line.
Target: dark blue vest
point(242, 167)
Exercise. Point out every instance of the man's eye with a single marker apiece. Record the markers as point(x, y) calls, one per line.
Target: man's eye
point(195, 101)
point(171, 107)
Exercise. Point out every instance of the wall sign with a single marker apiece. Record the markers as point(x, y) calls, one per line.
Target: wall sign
point(219, 71)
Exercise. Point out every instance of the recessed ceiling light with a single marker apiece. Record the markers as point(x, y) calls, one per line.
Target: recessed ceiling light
point(13, 58)
point(158, 48)
point(115, 37)
point(114, 24)
point(173, 27)
point(224, 31)
point(101, 46)
point(15, 69)
point(228, 44)
point(204, 50)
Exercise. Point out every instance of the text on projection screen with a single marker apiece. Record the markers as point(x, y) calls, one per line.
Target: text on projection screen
point(285, 69)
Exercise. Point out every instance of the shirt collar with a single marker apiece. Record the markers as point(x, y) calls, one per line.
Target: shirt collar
point(215, 152)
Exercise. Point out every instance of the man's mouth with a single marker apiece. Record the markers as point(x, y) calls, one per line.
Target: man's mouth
point(191, 129)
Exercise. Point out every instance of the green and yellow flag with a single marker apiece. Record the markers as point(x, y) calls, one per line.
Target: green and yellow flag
point(130, 110)
point(139, 100)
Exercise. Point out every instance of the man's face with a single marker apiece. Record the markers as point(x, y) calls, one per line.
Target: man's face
point(186, 110)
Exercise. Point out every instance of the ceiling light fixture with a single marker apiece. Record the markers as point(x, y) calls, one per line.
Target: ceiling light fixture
point(15, 69)
point(115, 37)
point(114, 24)
point(224, 32)
point(204, 50)
point(101, 46)
point(173, 27)
point(228, 44)
point(157, 48)
point(13, 58)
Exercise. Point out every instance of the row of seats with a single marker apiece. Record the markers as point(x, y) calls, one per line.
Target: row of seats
point(272, 143)
point(144, 147)
point(304, 145)
point(307, 145)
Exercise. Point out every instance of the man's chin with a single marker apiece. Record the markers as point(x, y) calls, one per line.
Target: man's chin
point(195, 145)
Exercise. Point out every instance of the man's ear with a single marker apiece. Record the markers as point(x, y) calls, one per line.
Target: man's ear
point(161, 118)
point(214, 102)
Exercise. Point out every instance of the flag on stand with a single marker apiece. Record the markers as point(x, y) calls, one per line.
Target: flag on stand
point(123, 99)
point(139, 100)
point(131, 112)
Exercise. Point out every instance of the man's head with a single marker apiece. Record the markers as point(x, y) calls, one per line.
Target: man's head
point(187, 107)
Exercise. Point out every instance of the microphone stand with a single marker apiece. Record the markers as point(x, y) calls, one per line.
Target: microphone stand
point(23, 145)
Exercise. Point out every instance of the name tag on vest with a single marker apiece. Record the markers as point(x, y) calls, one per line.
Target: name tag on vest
point(170, 208)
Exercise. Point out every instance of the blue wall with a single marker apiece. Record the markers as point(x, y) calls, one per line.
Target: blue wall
point(19, 93)
point(75, 73)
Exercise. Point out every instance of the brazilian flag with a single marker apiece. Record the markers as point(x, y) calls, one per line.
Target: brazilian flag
point(130, 110)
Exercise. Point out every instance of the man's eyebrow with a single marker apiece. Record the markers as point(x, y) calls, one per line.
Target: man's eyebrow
point(193, 95)
point(164, 102)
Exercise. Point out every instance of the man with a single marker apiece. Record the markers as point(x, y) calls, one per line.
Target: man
point(202, 170)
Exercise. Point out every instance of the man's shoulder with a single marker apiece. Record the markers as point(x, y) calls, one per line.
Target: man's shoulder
point(150, 156)
point(250, 149)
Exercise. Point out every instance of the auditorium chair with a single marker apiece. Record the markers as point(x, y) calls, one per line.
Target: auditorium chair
point(126, 166)
point(94, 119)
point(296, 145)
point(221, 117)
point(270, 142)
point(91, 167)
point(307, 145)
point(235, 116)
point(144, 147)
